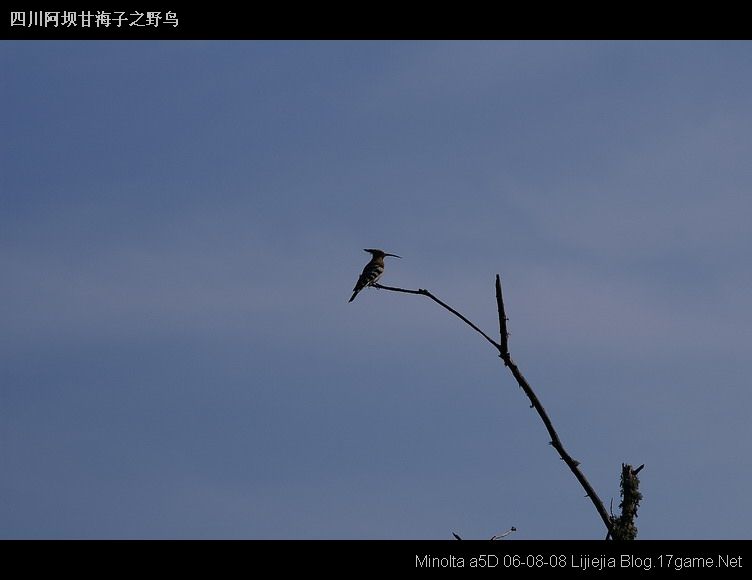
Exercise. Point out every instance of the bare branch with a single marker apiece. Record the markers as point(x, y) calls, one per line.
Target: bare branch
point(423, 292)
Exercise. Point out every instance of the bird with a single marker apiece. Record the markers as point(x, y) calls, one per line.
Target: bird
point(372, 272)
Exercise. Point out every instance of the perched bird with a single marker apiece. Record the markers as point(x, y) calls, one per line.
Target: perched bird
point(372, 272)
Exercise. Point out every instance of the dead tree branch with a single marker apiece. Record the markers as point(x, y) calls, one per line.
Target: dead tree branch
point(503, 350)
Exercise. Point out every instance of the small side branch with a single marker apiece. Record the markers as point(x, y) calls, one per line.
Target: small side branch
point(423, 292)
point(503, 534)
point(494, 537)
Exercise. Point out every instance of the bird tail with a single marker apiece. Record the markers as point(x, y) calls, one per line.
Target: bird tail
point(354, 295)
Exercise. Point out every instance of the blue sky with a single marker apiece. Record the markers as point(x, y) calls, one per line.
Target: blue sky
point(181, 225)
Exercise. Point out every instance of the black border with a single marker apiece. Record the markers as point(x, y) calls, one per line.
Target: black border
point(515, 557)
point(379, 21)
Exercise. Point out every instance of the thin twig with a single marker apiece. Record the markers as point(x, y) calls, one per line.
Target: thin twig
point(423, 292)
point(503, 535)
point(503, 350)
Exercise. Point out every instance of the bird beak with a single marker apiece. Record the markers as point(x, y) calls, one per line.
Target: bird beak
point(394, 256)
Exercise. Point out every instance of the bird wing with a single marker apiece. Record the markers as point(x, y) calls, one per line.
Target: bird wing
point(370, 274)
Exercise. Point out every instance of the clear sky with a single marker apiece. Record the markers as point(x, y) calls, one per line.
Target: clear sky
point(182, 223)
